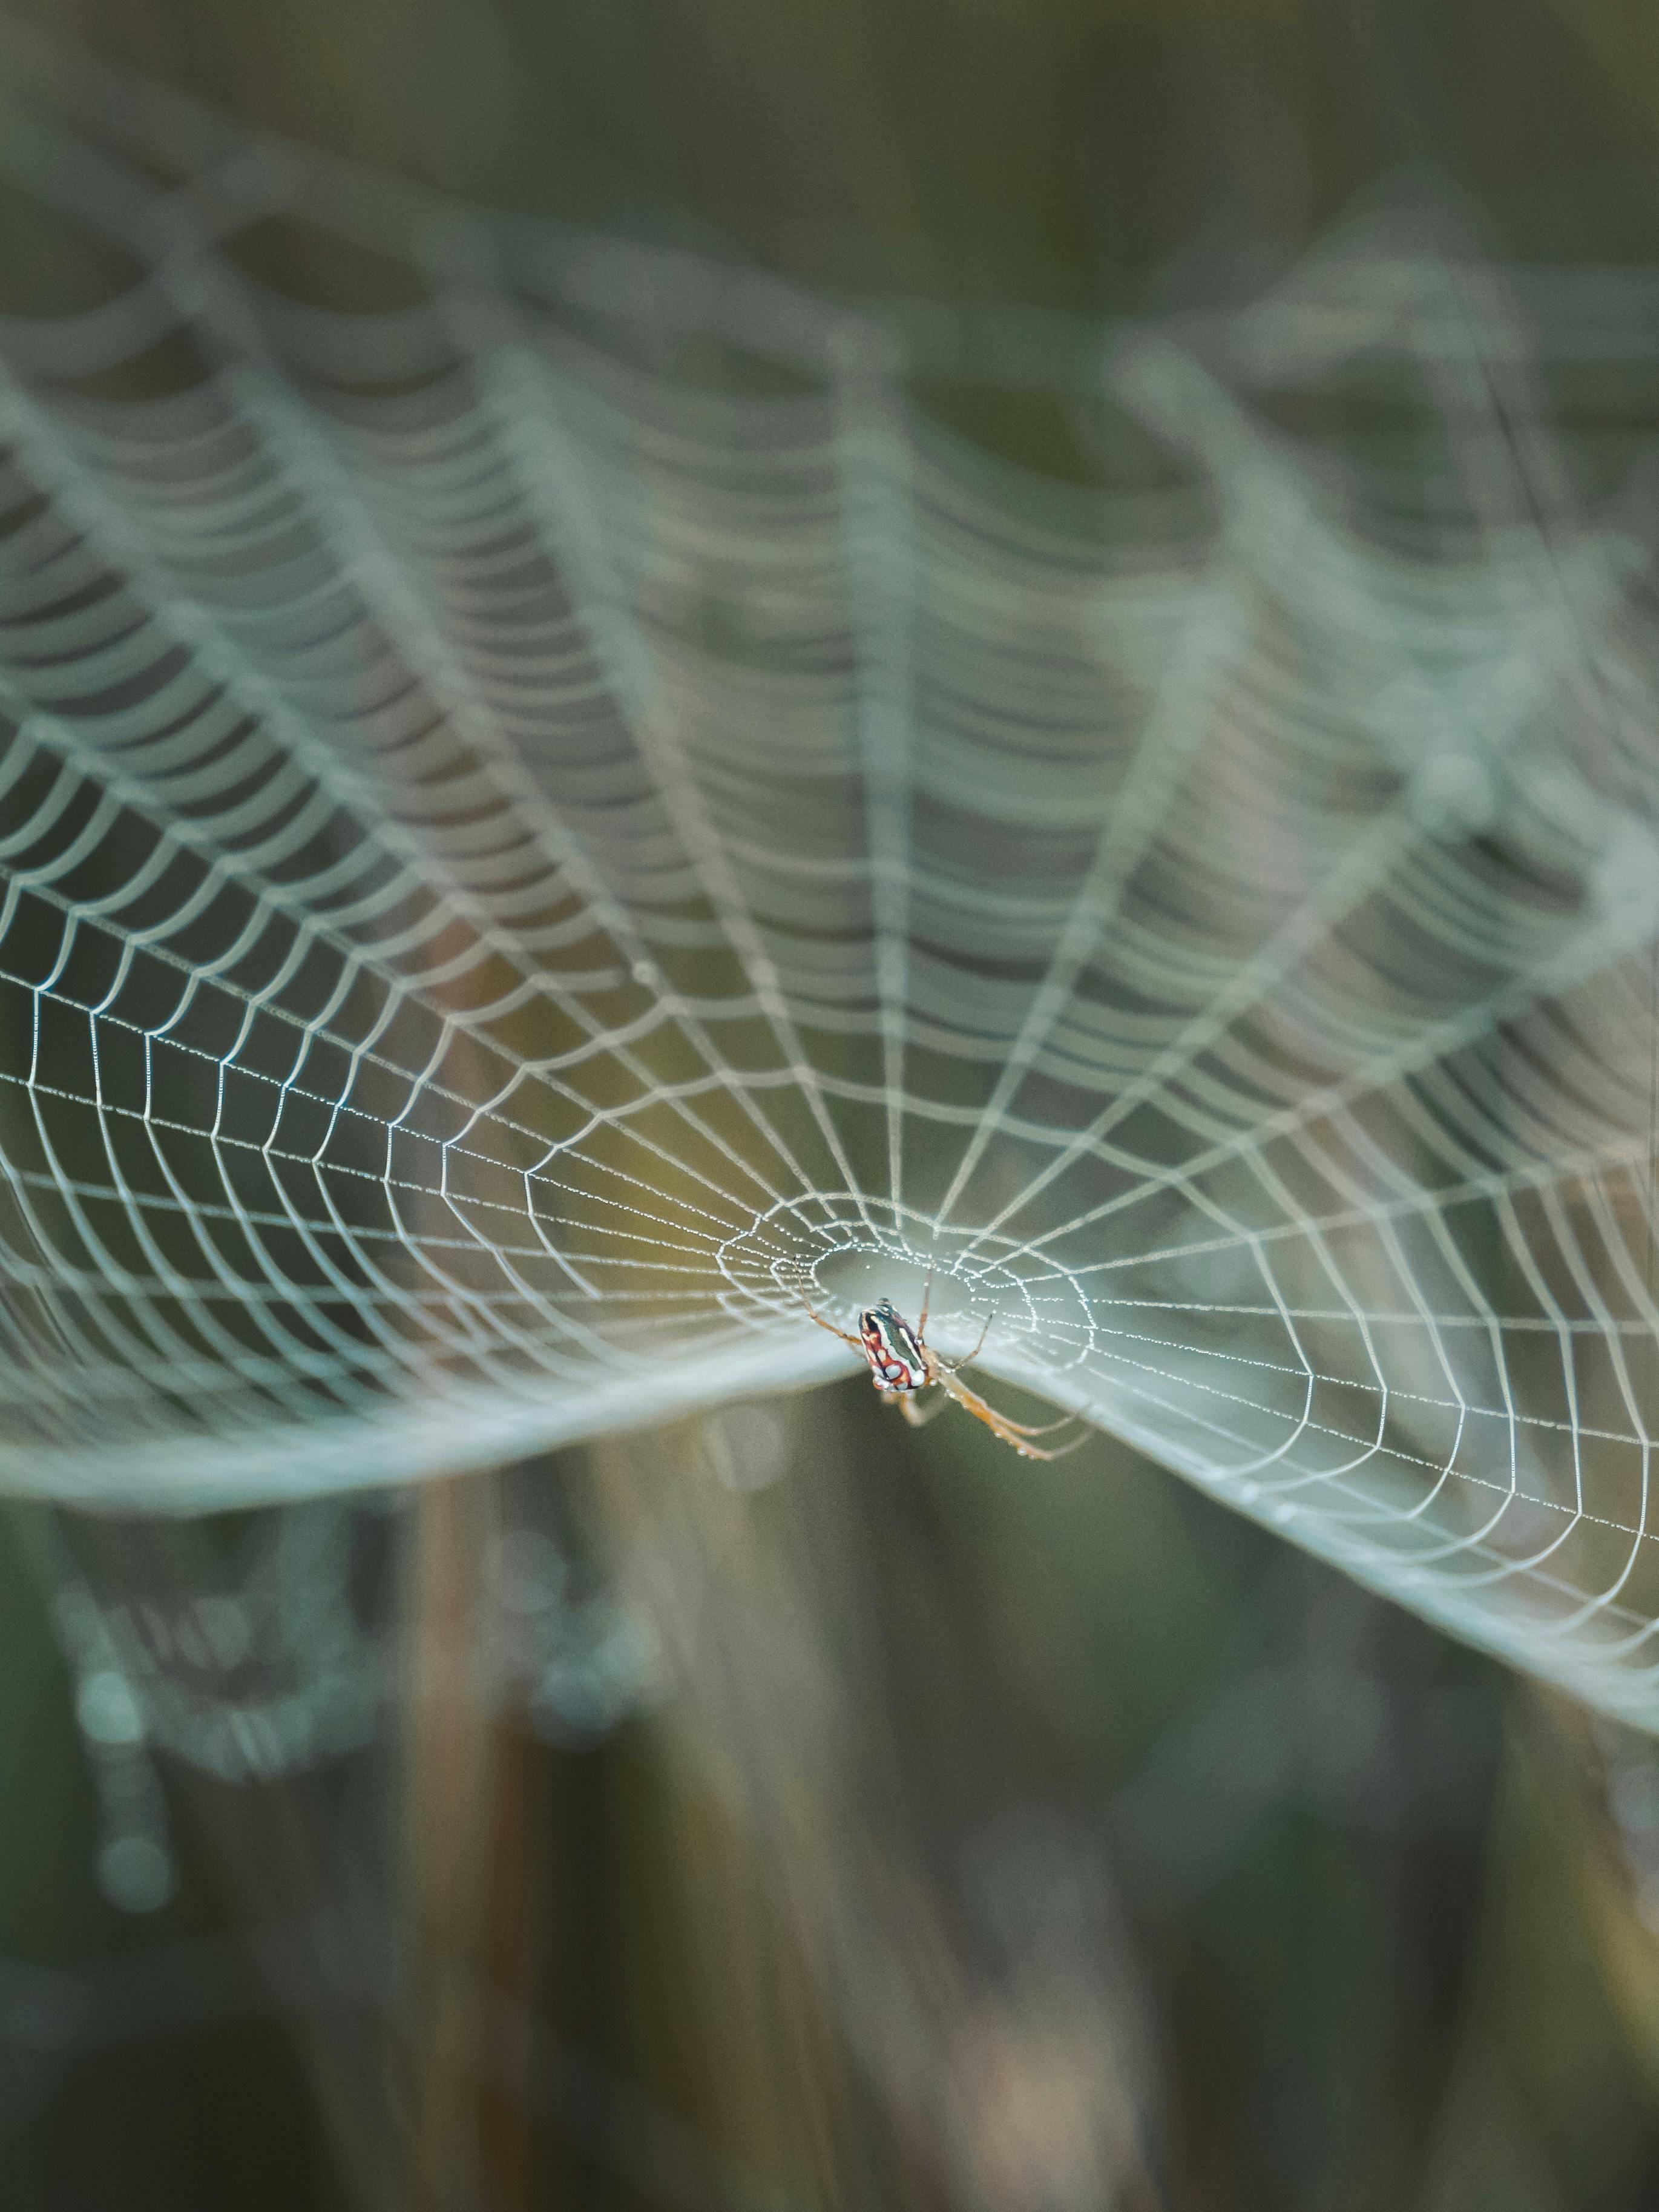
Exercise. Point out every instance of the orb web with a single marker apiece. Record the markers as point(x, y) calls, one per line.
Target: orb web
point(546, 824)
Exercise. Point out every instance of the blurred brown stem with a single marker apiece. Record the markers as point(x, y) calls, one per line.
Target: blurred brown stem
point(466, 1856)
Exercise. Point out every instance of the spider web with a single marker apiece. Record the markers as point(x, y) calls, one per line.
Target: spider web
point(546, 823)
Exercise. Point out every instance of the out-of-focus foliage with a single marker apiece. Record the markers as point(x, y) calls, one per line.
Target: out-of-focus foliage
point(783, 1810)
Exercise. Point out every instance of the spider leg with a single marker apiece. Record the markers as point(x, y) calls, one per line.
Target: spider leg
point(945, 1376)
point(1011, 1432)
point(926, 1298)
point(968, 1358)
point(856, 1342)
point(1038, 1452)
point(918, 1416)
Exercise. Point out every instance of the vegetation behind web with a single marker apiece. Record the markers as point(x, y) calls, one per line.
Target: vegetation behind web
point(780, 1807)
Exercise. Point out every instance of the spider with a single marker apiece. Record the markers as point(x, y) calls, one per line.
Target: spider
point(901, 1366)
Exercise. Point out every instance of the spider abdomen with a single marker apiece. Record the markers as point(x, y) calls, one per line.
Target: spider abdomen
point(893, 1349)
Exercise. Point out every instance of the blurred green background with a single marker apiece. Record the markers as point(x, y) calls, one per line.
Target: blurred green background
point(988, 1837)
point(996, 1836)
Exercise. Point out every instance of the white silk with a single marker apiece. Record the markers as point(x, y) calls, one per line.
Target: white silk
point(522, 862)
